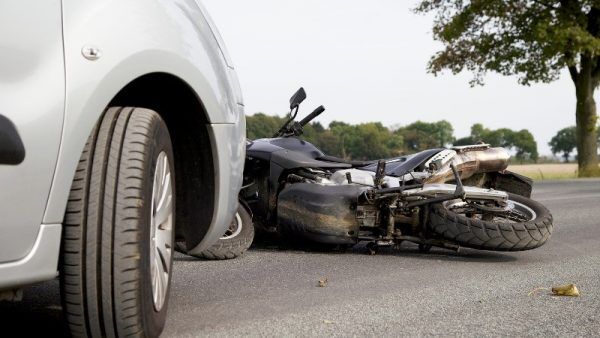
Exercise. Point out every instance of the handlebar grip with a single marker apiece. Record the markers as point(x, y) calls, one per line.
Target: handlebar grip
point(312, 115)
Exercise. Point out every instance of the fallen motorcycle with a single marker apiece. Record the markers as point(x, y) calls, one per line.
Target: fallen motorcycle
point(450, 198)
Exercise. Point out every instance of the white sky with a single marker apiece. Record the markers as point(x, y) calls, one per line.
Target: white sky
point(366, 61)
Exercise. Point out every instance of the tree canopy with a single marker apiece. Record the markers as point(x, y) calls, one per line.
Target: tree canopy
point(564, 142)
point(423, 135)
point(532, 39)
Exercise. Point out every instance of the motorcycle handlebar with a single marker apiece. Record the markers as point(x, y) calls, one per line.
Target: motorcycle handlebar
point(312, 115)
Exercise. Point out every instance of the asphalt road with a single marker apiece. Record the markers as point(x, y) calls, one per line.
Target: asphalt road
point(271, 292)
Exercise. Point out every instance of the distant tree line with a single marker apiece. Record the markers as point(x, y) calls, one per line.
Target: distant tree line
point(565, 142)
point(373, 140)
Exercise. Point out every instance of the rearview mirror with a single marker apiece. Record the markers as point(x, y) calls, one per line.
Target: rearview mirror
point(297, 98)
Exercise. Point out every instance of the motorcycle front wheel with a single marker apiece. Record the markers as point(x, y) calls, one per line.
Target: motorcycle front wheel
point(524, 224)
point(235, 241)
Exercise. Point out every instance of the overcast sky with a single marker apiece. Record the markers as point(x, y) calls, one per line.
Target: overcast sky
point(366, 61)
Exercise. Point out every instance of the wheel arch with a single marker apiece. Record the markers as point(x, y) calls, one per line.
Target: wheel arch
point(146, 41)
point(188, 123)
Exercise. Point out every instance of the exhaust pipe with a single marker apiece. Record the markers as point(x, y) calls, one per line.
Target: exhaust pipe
point(470, 162)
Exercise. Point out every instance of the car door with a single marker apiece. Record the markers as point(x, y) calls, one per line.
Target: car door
point(32, 90)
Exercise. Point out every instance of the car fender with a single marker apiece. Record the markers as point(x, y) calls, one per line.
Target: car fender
point(154, 36)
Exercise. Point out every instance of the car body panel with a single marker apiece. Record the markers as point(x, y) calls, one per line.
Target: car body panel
point(39, 264)
point(32, 85)
point(229, 161)
point(133, 38)
point(180, 44)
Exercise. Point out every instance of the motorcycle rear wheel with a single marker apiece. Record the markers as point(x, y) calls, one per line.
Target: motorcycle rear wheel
point(527, 226)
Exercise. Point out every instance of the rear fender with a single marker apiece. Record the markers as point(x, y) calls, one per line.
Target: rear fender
point(511, 182)
point(502, 180)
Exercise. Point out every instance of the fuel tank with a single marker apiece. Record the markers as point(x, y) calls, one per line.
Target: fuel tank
point(319, 213)
point(263, 148)
point(289, 153)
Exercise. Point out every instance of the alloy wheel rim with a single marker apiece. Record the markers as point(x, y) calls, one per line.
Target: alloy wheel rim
point(234, 228)
point(161, 233)
point(514, 212)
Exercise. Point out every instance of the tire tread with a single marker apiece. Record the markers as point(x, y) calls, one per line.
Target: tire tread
point(100, 253)
point(486, 235)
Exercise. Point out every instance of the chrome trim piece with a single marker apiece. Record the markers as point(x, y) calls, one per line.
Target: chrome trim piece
point(434, 190)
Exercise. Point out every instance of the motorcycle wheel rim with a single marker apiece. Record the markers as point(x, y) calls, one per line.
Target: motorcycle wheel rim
point(234, 228)
point(514, 212)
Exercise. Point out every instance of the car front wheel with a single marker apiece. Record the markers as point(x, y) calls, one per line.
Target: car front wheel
point(117, 248)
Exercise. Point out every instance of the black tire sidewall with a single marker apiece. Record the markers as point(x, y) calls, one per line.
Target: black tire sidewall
point(160, 141)
point(495, 236)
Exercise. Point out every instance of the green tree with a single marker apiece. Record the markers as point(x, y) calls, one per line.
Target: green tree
point(524, 144)
point(344, 134)
point(370, 141)
point(564, 142)
point(533, 39)
point(522, 141)
point(329, 143)
point(424, 135)
point(260, 125)
point(444, 133)
point(496, 138)
point(365, 141)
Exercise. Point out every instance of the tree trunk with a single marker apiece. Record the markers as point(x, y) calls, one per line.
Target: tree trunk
point(587, 146)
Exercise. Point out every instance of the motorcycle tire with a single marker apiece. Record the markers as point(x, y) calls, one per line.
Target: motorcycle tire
point(235, 241)
point(495, 235)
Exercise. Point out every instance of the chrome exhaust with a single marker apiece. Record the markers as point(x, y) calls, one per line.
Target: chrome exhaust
point(469, 162)
point(470, 193)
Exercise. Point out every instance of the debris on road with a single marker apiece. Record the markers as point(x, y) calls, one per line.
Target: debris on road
point(563, 290)
point(325, 321)
point(322, 283)
point(566, 290)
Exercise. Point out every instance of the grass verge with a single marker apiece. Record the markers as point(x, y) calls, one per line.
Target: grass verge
point(549, 171)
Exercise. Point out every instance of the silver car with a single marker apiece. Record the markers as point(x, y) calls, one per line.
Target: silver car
point(121, 129)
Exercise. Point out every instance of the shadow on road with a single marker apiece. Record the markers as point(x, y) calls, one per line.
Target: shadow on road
point(39, 313)
point(464, 255)
point(406, 250)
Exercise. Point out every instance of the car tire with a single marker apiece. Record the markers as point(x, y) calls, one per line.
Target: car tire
point(116, 254)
